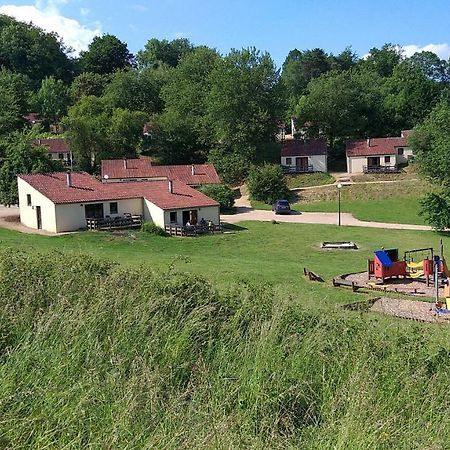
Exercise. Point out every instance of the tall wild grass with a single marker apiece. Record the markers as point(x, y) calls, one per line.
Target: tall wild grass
point(93, 355)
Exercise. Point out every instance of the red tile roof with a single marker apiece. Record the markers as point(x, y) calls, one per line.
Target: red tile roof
point(143, 168)
point(54, 145)
point(86, 188)
point(375, 146)
point(298, 147)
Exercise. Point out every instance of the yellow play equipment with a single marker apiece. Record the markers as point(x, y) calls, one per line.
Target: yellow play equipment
point(415, 269)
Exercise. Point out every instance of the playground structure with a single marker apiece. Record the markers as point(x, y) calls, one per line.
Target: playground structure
point(416, 264)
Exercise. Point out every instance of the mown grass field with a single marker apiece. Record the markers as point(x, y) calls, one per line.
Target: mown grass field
point(231, 348)
point(256, 252)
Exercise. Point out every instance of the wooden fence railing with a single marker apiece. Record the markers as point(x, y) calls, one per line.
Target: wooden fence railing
point(380, 169)
point(115, 223)
point(297, 169)
point(193, 230)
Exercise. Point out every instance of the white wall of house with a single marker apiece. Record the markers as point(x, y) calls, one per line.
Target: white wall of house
point(153, 213)
point(355, 164)
point(72, 217)
point(319, 162)
point(407, 154)
point(161, 217)
point(28, 214)
point(209, 213)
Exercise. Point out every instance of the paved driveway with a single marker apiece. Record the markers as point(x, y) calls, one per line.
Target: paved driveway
point(313, 217)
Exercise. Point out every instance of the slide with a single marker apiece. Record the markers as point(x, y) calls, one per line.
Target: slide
point(416, 274)
point(415, 265)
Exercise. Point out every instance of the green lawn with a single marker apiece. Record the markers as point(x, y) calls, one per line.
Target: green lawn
point(308, 179)
point(393, 210)
point(261, 251)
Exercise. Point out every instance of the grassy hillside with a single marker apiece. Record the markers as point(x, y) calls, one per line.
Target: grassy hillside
point(100, 355)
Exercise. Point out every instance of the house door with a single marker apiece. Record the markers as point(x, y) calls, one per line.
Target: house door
point(302, 163)
point(190, 216)
point(94, 211)
point(373, 161)
point(186, 217)
point(39, 217)
point(193, 216)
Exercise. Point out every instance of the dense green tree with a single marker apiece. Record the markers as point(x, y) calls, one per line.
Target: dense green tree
point(384, 60)
point(20, 86)
point(245, 99)
point(345, 60)
point(97, 131)
point(185, 97)
point(343, 105)
point(15, 94)
point(431, 145)
point(231, 164)
point(52, 99)
point(137, 90)
point(88, 83)
point(267, 183)
point(432, 66)
point(124, 132)
point(26, 49)
point(105, 55)
point(86, 131)
point(300, 68)
point(409, 96)
point(10, 117)
point(163, 53)
point(22, 158)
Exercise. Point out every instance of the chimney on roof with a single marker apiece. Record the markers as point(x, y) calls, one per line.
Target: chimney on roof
point(171, 186)
point(193, 169)
point(69, 178)
point(368, 142)
point(125, 163)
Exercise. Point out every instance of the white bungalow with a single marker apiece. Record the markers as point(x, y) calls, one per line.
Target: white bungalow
point(378, 155)
point(59, 202)
point(304, 155)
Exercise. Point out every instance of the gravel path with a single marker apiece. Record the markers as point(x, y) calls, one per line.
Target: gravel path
point(409, 309)
point(10, 219)
point(347, 219)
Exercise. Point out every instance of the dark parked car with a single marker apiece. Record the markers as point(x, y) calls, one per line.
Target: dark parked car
point(281, 207)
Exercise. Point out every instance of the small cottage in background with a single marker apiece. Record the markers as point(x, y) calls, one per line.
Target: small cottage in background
point(57, 148)
point(301, 156)
point(378, 155)
point(122, 170)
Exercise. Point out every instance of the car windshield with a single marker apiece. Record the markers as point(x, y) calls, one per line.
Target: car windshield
point(283, 203)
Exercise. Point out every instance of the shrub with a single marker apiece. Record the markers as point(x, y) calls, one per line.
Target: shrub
point(435, 208)
point(152, 228)
point(222, 194)
point(267, 183)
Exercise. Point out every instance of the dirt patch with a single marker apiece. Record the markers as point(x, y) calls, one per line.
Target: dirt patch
point(12, 219)
point(409, 309)
point(403, 286)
